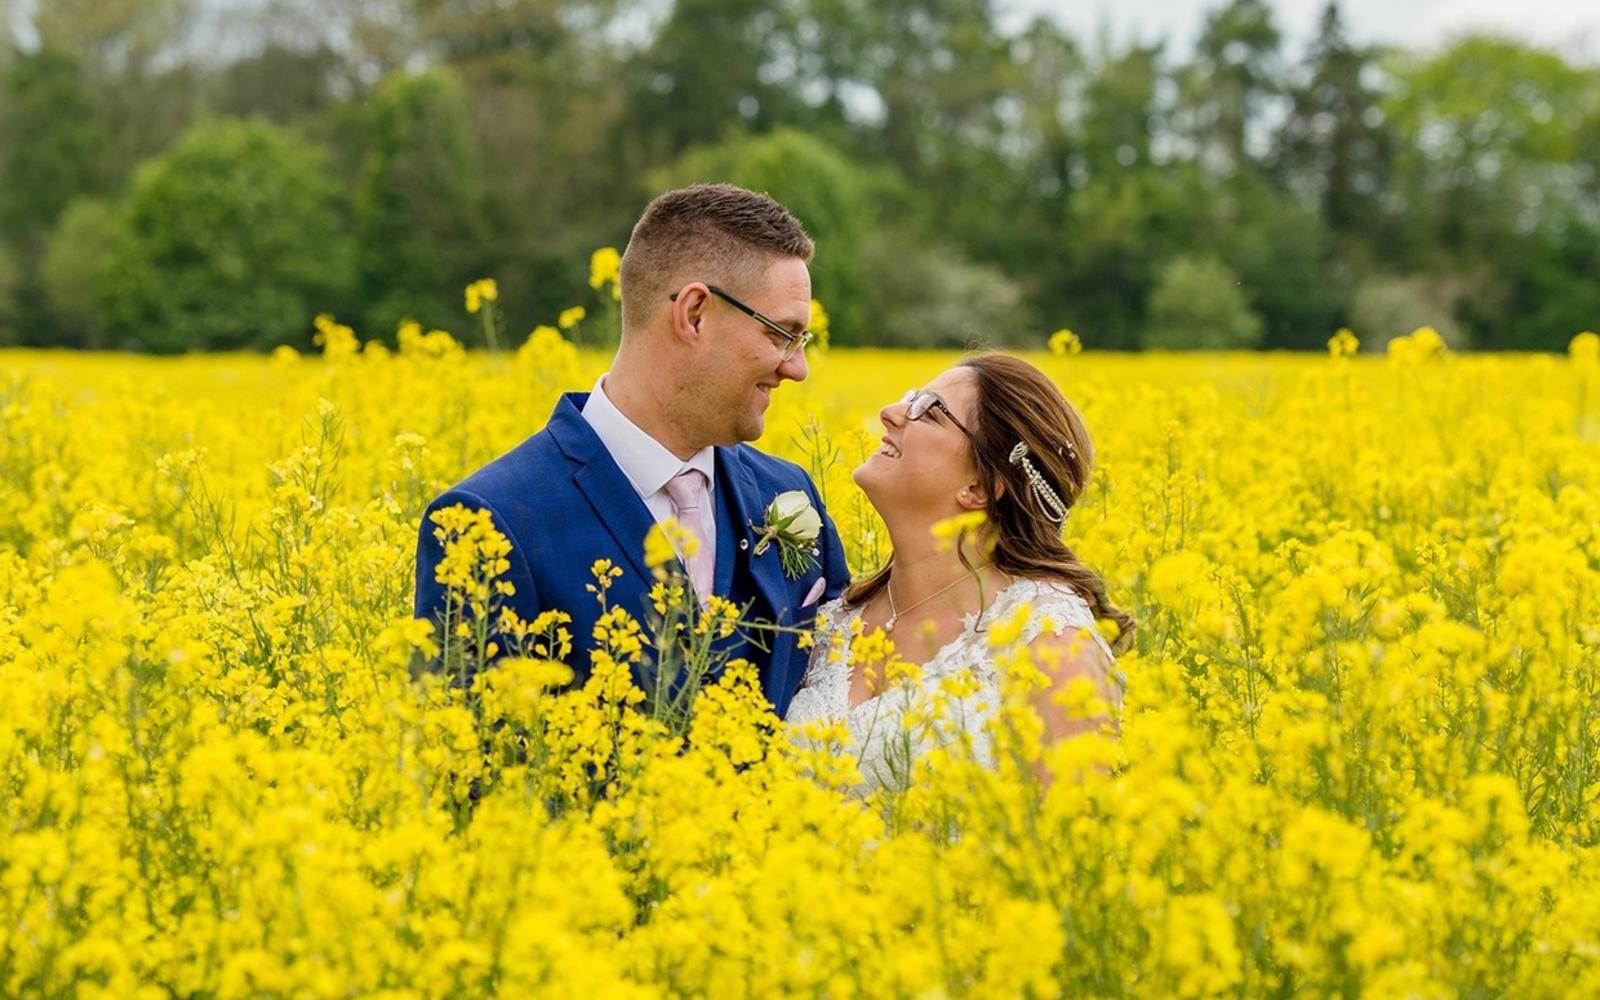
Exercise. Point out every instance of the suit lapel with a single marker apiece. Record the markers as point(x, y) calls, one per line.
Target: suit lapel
point(730, 532)
point(749, 513)
point(766, 571)
point(614, 500)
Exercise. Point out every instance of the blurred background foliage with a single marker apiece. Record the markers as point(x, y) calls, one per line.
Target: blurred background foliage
point(179, 174)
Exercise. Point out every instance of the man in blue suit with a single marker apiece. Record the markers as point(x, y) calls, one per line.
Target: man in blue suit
point(716, 296)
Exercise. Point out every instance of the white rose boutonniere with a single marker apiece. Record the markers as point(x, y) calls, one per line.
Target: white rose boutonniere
point(794, 525)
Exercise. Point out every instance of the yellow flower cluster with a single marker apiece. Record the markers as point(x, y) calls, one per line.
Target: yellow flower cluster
point(605, 269)
point(1421, 344)
point(1357, 754)
point(1585, 347)
point(1064, 342)
point(1343, 344)
point(481, 291)
point(818, 326)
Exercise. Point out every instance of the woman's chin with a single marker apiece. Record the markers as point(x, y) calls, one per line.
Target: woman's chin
point(865, 474)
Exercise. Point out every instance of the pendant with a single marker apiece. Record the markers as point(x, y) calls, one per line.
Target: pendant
point(888, 626)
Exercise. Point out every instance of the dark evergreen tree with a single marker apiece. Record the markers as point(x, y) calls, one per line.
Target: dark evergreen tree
point(1334, 151)
point(419, 217)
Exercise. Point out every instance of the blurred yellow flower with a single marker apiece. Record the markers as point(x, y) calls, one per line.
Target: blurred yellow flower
point(1065, 342)
point(1585, 347)
point(605, 268)
point(481, 291)
point(1343, 344)
point(818, 325)
point(950, 531)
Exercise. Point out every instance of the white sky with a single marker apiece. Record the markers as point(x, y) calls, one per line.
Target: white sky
point(1570, 26)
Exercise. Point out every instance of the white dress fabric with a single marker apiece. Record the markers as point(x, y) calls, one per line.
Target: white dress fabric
point(964, 670)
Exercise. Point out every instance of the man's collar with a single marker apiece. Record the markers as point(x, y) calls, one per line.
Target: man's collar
point(647, 463)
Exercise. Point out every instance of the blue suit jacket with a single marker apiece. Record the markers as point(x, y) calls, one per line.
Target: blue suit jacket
point(562, 501)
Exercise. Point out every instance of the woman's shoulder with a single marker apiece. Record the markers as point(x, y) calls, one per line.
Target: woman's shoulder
point(1047, 598)
point(834, 613)
point(1054, 607)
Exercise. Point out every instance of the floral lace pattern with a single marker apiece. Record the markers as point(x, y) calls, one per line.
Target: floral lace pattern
point(890, 730)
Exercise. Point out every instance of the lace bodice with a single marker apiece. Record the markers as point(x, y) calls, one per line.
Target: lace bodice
point(880, 733)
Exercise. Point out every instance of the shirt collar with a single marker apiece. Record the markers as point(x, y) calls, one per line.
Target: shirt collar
point(645, 461)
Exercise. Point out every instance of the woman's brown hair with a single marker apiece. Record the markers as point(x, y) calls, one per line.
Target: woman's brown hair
point(1016, 402)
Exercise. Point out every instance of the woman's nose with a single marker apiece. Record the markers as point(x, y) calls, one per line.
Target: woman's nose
point(894, 414)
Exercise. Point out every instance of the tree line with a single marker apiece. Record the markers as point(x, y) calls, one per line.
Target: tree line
point(178, 176)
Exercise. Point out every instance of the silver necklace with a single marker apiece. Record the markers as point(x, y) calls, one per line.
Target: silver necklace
point(894, 613)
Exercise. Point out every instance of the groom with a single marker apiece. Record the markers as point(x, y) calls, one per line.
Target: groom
point(715, 300)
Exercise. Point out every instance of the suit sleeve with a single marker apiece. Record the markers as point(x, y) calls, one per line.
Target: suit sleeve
point(430, 594)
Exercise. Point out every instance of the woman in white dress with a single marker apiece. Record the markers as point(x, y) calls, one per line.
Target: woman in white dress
point(991, 435)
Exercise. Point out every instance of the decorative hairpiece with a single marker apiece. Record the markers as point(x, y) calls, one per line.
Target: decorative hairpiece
point(1048, 499)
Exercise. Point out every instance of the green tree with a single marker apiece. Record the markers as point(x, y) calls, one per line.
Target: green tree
point(1116, 233)
point(233, 239)
point(1335, 150)
point(10, 278)
point(714, 65)
point(1119, 108)
point(139, 61)
point(1556, 292)
point(52, 142)
point(419, 209)
point(1224, 90)
point(74, 271)
point(1198, 305)
point(1284, 257)
point(1491, 173)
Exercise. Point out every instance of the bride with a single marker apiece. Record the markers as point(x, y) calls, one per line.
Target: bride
point(991, 435)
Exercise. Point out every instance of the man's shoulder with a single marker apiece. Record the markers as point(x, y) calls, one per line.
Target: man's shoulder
point(770, 470)
point(526, 472)
point(516, 474)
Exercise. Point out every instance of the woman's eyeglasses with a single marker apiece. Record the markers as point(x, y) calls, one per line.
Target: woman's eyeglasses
point(792, 341)
point(920, 401)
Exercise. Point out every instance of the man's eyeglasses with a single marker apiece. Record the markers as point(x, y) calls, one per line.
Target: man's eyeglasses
point(919, 402)
point(792, 341)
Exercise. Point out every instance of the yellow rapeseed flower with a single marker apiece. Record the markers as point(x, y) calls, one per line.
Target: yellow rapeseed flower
point(1343, 344)
point(481, 291)
point(1065, 342)
point(1585, 348)
point(605, 268)
point(1346, 751)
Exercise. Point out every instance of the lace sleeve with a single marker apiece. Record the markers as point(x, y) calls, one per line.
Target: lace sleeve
point(828, 619)
point(1057, 607)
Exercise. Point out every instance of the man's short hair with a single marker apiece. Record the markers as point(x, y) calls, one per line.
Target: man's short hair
point(705, 232)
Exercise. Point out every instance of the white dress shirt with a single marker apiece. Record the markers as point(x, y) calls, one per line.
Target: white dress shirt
point(649, 466)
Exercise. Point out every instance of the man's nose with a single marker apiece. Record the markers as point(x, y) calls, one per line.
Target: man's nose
point(794, 367)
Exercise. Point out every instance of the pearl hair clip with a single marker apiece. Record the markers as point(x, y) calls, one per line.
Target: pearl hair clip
point(1049, 500)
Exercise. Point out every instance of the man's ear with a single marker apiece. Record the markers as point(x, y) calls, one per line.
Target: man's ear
point(688, 308)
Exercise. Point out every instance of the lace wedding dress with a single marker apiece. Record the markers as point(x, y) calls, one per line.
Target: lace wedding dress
point(889, 742)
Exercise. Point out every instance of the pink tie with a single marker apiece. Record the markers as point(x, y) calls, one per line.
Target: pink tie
point(684, 489)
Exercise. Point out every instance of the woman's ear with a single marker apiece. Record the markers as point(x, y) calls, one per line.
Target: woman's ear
point(972, 497)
